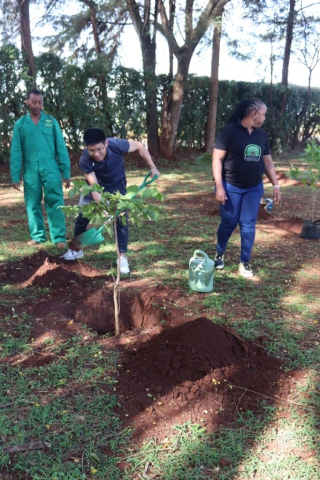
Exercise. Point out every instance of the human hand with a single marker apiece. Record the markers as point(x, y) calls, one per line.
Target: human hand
point(108, 217)
point(276, 195)
point(154, 171)
point(221, 196)
point(66, 182)
point(16, 186)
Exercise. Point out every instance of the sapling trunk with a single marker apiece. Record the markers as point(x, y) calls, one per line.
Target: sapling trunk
point(116, 292)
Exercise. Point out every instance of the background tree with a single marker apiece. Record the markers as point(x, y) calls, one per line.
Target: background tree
point(12, 77)
point(192, 34)
point(144, 23)
point(15, 21)
point(308, 52)
point(95, 30)
point(214, 87)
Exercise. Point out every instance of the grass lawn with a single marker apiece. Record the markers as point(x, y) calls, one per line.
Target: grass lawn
point(60, 378)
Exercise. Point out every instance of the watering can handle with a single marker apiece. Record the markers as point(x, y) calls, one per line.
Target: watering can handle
point(146, 181)
point(200, 253)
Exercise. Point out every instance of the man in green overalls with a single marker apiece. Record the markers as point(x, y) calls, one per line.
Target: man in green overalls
point(38, 146)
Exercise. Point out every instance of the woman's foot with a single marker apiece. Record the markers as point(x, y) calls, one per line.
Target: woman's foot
point(219, 261)
point(245, 270)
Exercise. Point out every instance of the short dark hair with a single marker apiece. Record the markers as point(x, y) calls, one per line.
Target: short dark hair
point(92, 136)
point(35, 91)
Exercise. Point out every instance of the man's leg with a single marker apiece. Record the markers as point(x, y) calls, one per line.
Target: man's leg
point(33, 196)
point(53, 199)
point(123, 234)
point(81, 222)
point(247, 220)
point(80, 225)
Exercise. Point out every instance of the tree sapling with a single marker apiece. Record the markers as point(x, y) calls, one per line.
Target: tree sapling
point(109, 209)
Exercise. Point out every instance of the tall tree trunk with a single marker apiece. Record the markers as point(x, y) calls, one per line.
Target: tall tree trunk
point(286, 58)
point(149, 74)
point(94, 23)
point(172, 11)
point(214, 88)
point(183, 55)
point(148, 50)
point(26, 41)
point(116, 282)
point(172, 113)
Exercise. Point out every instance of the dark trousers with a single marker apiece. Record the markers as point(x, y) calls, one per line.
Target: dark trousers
point(81, 224)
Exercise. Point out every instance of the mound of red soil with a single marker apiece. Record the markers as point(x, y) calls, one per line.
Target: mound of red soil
point(197, 371)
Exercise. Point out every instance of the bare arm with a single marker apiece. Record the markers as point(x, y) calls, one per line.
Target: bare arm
point(92, 179)
point(138, 146)
point(217, 159)
point(272, 176)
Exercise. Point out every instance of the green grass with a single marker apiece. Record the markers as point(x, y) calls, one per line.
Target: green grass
point(68, 403)
point(71, 402)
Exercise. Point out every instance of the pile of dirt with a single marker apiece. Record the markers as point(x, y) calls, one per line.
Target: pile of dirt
point(174, 369)
point(196, 372)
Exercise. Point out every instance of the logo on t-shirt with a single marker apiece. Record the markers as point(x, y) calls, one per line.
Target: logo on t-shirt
point(252, 153)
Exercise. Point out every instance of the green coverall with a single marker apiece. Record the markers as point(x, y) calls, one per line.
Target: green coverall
point(42, 152)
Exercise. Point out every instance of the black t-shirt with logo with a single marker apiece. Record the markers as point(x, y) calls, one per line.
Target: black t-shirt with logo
point(243, 165)
point(110, 171)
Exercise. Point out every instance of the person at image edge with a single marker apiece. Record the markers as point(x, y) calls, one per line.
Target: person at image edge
point(38, 151)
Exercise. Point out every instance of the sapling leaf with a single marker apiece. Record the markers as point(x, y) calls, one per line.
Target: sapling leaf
point(72, 192)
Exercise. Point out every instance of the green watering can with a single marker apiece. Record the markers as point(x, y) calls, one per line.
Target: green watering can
point(201, 269)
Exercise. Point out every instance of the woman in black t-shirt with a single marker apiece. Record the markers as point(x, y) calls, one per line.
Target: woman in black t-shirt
point(240, 157)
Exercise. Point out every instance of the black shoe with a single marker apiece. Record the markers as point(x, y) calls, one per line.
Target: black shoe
point(219, 261)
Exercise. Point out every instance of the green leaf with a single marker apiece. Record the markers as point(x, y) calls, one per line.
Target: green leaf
point(99, 458)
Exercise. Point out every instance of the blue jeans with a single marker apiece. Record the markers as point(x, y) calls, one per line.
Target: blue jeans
point(241, 208)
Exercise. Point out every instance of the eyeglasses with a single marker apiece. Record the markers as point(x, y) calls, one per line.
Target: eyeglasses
point(92, 151)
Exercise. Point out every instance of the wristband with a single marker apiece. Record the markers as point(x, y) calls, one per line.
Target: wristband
point(276, 186)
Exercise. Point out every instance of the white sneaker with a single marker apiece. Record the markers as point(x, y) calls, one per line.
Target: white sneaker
point(245, 270)
point(124, 265)
point(72, 255)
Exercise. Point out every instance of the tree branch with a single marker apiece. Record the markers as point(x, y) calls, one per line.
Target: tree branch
point(27, 447)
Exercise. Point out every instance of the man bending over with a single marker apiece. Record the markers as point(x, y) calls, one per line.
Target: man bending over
point(102, 163)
